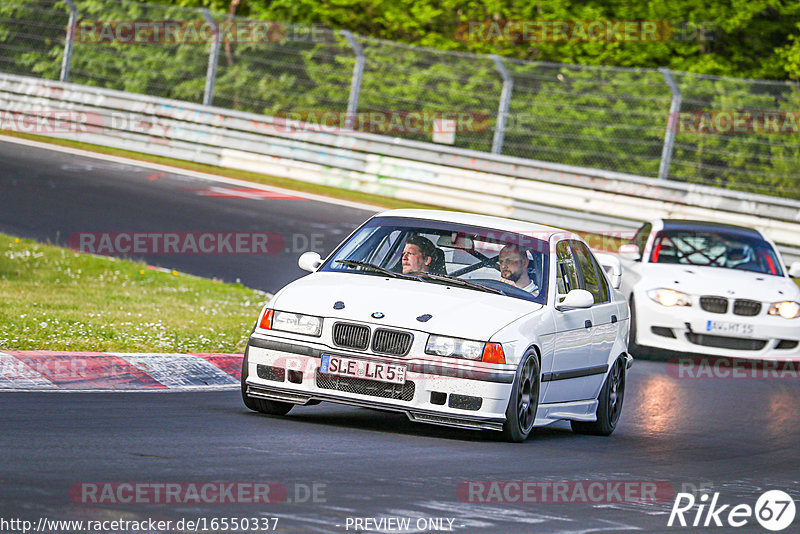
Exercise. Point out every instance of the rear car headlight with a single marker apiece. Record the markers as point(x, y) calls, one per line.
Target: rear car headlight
point(454, 347)
point(786, 309)
point(297, 323)
point(669, 297)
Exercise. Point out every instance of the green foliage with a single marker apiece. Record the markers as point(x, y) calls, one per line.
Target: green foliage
point(421, 57)
point(32, 37)
point(718, 37)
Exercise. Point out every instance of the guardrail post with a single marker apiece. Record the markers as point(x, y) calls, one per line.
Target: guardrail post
point(505, 101)
point(355, 84)
point(213, 59)
point(67, 60)
point(672, 123)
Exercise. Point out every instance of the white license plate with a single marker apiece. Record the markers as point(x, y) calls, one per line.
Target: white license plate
point(380, 371)
point(727, 327)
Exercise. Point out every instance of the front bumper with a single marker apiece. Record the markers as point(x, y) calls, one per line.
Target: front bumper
point(690, 329)
point(451, 393)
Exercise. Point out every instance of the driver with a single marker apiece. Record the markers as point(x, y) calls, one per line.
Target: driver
point(514, 269)
point(417, 254)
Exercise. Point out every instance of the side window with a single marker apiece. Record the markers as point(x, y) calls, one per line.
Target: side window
point(640, 239)
point(591, 273)
point(605, 292)
point(566, 270)
point(386, 249)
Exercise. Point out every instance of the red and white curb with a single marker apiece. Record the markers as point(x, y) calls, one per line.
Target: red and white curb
point(116, 371)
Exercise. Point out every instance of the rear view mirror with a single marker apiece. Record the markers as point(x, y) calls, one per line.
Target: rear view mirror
point(612, 267)
point(794, 269)
point(577, 298)
point(630, 252)
point(456, 240)
point(309, 261)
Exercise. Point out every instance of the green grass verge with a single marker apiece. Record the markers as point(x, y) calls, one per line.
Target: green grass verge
point(57, 299)
point(295, 185)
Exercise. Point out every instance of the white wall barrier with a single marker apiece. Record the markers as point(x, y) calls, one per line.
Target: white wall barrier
point(579, 198)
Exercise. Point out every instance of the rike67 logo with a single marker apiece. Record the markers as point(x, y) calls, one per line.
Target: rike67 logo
point(774, 510)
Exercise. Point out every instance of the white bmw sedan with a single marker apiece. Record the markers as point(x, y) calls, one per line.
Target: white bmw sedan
point(453, 319)
point(702, 287)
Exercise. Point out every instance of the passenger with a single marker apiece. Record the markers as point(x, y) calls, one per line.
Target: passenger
point(417, 254)
point(514, 269)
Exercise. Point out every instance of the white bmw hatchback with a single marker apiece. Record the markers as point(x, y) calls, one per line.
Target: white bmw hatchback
point(453, 319)
point(702, 287)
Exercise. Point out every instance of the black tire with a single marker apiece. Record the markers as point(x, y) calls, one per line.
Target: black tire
point(524, 400)
point(634, 348)
point(261, 405)
point(609, 406)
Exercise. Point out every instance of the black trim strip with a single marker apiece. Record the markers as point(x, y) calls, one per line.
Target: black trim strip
point(285, 347)
point(575, 373)
point(303, 397)
point(457, 372)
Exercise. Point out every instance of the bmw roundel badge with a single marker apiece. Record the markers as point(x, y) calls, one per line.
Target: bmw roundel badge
point(378, 315)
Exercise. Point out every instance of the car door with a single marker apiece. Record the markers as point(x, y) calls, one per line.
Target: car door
point(573, 334)
point(605, 316)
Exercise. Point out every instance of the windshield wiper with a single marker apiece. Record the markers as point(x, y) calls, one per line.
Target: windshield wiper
point(376, 268)
point(457, 282)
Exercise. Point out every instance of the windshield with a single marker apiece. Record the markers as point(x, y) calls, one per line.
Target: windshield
point(437, 252)
point(715, 248)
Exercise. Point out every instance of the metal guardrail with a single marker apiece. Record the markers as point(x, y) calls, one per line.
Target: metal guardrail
point(603, 117)
point(579, 198)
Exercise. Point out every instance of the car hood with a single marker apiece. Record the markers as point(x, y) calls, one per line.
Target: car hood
point(454, 311)
point(731, 283)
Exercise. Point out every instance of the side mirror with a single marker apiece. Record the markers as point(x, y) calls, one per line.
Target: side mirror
point(794, 269)
point(577, 298)
point(630, 252)
point(309, 261)
point(612, 267)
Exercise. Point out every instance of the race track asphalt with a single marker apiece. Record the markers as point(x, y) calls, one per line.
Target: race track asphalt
point(50, 196)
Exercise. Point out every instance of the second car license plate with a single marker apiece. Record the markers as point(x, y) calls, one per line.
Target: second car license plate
point(726, 327)
point(383, 372)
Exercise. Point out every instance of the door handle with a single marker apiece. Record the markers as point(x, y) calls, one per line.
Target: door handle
point(613, 319)
point(587, 324)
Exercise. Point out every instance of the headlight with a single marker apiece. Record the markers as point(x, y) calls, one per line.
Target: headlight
point(454, 347)
point(669, 297)
point(297, 323)
point(786, 309)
